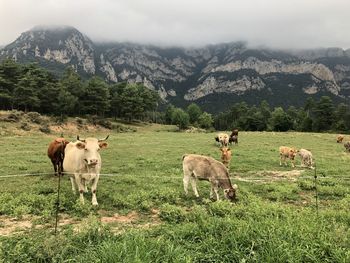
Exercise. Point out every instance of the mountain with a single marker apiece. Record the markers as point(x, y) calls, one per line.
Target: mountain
point(214, 76)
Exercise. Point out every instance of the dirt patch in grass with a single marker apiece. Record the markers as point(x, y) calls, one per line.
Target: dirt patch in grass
point(118, 223)
point(269, 176)
point(11, 225)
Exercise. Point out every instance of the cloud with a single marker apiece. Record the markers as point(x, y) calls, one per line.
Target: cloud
point(273, 23)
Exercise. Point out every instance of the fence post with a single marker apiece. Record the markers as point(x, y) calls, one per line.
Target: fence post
point(316, 192)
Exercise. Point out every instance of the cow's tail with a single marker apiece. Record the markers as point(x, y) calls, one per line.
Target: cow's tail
point(183, 156)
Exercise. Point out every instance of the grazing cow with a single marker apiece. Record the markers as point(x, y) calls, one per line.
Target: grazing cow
point(222, 139)
point(56, 153)
point(206, 168)
point(347, 146)
point(226, 156)
point(340, 138)
point(83, 160)
point(287, 152)
point(306, 158)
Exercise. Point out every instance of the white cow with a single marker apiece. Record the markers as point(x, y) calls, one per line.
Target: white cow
point(83, 161)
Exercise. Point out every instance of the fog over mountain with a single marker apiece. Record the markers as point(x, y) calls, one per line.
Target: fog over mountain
point(214, 76)
point(280, 24)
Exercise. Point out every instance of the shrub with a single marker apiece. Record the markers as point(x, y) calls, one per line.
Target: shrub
point(45, 128)
point(34, 117)
point(25, 126)
point(14, 116)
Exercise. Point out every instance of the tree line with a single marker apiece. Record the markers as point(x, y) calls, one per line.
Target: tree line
point(29, 87)
point(315, 116)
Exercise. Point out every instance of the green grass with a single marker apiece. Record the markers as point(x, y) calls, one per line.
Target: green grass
point(274, 219)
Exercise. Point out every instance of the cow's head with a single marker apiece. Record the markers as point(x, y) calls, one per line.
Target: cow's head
point(230, 193)
point(91, 146)
point(292, 153)
point(225, 153)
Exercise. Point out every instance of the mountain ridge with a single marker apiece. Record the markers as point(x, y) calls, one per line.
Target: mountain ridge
point(182, 75)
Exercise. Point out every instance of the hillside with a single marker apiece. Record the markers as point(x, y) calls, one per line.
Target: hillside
point(214, 76)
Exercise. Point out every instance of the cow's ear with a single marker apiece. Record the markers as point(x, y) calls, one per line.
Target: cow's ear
point(235, 186)
point(103, 145)
point(80, 145)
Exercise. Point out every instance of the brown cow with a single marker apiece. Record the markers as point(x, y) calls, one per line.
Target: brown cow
point(56, 153)
point(347, 146)
point(234, 137)
point(287, 152)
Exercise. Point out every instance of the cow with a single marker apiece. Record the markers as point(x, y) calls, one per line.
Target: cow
point(206, 168)
point(347, 146)
point(340, 138)
point(226, 156)
point(287, 152)
point(55, 152)
point(83, 161)
point(306, 158)
point(234, 137)
point(234, 132)
point(222, 139)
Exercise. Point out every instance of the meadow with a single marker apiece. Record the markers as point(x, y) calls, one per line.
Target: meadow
point(144, 216)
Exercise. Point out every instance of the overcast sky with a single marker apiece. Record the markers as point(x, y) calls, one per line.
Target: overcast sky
point(271, 23)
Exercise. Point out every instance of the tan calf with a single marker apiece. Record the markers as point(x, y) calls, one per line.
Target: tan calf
point(206, 168)
point(226, 155)
point(306, 158)
point(340, 138)
point(287, 152)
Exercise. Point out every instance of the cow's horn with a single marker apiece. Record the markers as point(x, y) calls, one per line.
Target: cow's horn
point(104, 139)
point(80, 139)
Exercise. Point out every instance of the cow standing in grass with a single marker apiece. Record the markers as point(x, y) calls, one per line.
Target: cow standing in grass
point(306, 158)
point(56, 153)
point(287, 153)
point(222, 139)
point(83, 161)
point(206, 168)
point(226, 155)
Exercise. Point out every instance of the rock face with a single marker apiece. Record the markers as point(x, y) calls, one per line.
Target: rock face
point(230, 71)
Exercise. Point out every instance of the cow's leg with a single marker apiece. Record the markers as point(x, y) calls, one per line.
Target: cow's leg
point(292, 161)
point(80, 187)
point(72, 180)
point(216, 190)
point(280, 159)
point(93, 190)
point(211, 192)
point(84, 183)
point(186, 179)
point(54, 166)
point(194, 186)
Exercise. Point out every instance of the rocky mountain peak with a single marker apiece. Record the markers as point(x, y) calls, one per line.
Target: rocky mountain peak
point(208, 75)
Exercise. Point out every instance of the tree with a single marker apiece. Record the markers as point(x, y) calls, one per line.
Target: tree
point(26, 93)
point(324, 114)
point(169, 113)
point(72, 83)
point(280, 121)
point(96, 97)
point(65, 102)
point(10, 73)
point(205, 120)
point(194, 111)
point(180, 118)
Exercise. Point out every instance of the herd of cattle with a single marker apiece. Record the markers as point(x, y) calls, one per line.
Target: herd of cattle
point(82, 161)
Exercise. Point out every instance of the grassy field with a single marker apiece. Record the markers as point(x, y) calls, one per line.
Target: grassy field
point(144, 216)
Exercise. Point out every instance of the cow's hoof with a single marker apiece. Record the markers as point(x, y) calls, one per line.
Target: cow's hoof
point(95, 204)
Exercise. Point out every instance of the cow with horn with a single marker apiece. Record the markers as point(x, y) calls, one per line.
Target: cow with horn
point(83, 161)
